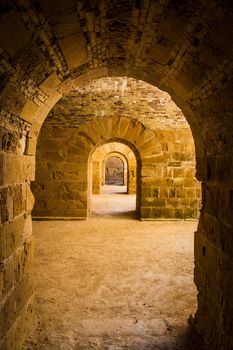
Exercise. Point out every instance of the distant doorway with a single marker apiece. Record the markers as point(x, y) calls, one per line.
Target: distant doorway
point(114, 171)
point(113, 174)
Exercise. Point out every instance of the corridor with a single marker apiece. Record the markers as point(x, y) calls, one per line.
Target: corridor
point(108, 283)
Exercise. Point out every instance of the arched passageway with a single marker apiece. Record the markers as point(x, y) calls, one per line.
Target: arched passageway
point(182, 48)
point(114, 171)
point(108, 189)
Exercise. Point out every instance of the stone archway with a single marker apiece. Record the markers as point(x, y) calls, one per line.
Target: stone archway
point(115, 170)
point(131, 162)
point(98, 165)
point(66, 174)
point(180, 48)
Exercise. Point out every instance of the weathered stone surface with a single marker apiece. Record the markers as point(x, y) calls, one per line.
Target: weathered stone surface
point(184, 48)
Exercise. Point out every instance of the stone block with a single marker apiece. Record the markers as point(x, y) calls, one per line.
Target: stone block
point(14, 171)
point(19, 200)
point(190, 212)
point(207, 256)
point(27, 229)
point(182, 156)
point(190, 172)
point(145, 213)
point(6, 203)
point(156, 212)
point(74, 50)
point(50, 83)
point(29, 110)
point(24, 324)
point(190, 183)
point(168, 213)
point(8, 275)
point(2, 168)
point(13, 235)
point(179, 172)
point(30, 199)
point(2, 244)
point(179, 213)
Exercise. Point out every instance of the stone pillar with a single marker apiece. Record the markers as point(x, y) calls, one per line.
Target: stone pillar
point(213, 254)
point(96, 177)
point(16, 251)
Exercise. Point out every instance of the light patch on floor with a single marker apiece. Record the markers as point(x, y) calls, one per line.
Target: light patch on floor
point(113, 201)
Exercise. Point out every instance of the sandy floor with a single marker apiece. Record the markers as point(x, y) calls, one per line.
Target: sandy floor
point(113, 202)
point(114, 283)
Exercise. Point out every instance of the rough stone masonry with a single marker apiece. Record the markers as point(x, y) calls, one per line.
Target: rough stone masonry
point(51, 48)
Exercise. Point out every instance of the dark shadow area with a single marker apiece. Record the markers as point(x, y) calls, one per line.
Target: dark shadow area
point(132, 215)
point(188, 339)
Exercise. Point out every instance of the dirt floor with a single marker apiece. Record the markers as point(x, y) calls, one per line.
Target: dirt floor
point(113, 282)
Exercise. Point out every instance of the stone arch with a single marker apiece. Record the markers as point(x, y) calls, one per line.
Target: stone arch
point(128, 158)
point(38, 114)
point(123, 160)
point(195, 67)
point(162, 188)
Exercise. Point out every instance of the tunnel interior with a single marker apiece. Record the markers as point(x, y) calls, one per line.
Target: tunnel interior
point(67, 53)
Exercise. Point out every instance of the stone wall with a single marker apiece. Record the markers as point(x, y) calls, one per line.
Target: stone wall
point(50, 48)
point(166, 175)
point(113, 97)
point(16, 295)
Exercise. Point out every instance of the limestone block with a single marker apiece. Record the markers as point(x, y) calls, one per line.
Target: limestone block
point(190, 172)
point(147, 171)
point(8, 278)
point(15, 335)
point(168, 212)
point(40, 115)
point(66, 86)
point(13, 235)
point(13, 169)
point(179, 213)
point(29, 110)
point(7, 210)
point(50, 83)
point(30, 200)
point(31, 146)
point(145, 213)
point(206, 255)
point(74, 50)
point(178, 182)
point(19, 200)
point(29, 168)
point(190, 183)
point(2, 244)
point(179, 172)
point(15, 302)
point(1, 286)
point(156, 212)
point(190, 212)
point(52, 100)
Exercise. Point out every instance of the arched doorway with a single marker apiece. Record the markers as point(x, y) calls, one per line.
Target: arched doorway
point(115, 171)
point(180, 47)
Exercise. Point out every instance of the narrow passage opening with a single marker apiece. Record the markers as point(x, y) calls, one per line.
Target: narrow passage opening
point(114, 181)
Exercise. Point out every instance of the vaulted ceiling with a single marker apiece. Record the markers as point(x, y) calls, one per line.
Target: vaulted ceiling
point(183, 47)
